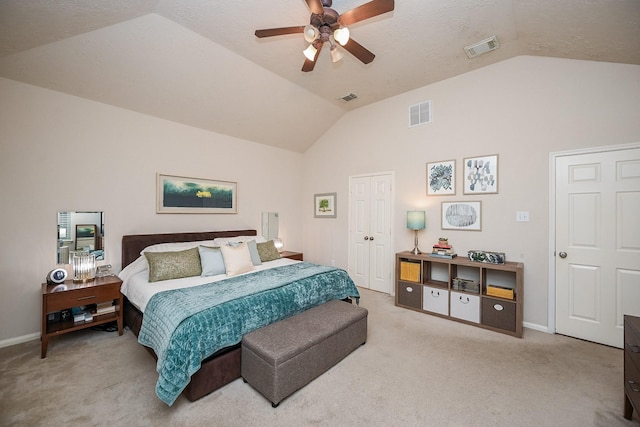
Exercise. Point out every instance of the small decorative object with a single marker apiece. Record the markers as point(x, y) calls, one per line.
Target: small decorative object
point(481, 175)
point(487, 257)
point(444, 241)
point(178, 194)
point(56, 276)
point(84, 267)
point(466, 285)
point(324, 205)
point(416, 220)
point(441, 178)
point(461, 216)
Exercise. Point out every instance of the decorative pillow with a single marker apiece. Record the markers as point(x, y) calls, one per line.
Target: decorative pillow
point(176, 246)
point(173, 265)
point(221, 241)
point(237, 259)
point(253, 251)
point(268, 251)
point(211, 260)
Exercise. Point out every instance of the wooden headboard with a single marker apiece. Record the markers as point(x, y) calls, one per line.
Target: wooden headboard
point(133, 244)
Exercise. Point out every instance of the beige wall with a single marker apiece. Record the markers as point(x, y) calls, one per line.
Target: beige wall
point(59, 152)
point(521, 109)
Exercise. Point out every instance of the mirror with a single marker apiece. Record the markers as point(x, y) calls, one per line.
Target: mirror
point(270, 225)
point(80, 231)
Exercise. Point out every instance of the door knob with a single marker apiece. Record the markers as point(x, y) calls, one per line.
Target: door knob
point(563, 254)
point(371, 238)
point(366, 237)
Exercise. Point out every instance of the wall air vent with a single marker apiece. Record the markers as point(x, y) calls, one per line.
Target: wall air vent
point(349, 97)
point(420, 114)
point(484, 46)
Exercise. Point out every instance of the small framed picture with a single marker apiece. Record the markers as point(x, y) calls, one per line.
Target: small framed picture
point(441, 178)
point(462, 216)
point(324, 205)
point(481, 175)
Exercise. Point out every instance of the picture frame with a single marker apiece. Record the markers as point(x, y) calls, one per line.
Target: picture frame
point(324, 205)
point(178, 194)
point(86, 236)
point(480, 175)
point(441, 178)
point(463, 215)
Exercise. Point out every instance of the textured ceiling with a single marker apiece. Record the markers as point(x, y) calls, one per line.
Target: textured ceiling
point(198, 62)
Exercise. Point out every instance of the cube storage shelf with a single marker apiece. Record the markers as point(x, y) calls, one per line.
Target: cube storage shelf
point(456, 289)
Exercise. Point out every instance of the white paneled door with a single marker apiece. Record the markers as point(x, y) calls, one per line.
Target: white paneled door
point(597, 244)
point(370, 258)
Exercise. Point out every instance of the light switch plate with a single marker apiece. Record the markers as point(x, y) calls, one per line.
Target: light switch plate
point(522, 216)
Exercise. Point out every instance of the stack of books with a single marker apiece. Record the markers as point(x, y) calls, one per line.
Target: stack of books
point(443, 251)
point(105, 307)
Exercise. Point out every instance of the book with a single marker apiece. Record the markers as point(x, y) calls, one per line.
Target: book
point(447, 256)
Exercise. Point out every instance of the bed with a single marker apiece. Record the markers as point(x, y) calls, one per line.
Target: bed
point(277, 289)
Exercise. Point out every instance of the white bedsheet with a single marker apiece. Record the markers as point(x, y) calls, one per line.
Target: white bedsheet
point(136, 286)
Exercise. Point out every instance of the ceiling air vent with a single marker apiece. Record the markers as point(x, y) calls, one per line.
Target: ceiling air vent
point(484, 46)
point(349, 97)
point(420, 114)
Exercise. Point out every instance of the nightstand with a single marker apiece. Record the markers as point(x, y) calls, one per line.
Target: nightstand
point(68, 295)
point(291, 255)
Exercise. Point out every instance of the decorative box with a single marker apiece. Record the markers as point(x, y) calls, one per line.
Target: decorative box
point(466, 285)
point(499, 291)
point(487, 257)
point(410, 271)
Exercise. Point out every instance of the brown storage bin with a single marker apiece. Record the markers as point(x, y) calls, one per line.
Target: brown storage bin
point(410, 295)
point(499, 314)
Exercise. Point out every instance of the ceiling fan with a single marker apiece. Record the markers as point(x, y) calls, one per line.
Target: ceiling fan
point(328, 26)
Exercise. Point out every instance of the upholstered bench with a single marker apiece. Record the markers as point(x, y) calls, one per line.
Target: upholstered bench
point(283, 357)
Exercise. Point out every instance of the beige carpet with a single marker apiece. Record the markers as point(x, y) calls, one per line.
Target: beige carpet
point(414, 370)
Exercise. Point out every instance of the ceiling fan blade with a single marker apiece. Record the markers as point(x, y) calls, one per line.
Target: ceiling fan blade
point(270, 32)
point(366, 11)
point(315, 6)
point(308, 65)
point(359, 51)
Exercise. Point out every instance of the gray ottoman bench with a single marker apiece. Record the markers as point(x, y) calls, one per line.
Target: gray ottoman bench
point(285, 356)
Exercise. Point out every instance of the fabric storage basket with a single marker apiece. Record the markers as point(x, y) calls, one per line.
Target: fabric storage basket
point(410, 271)
point(499, 291)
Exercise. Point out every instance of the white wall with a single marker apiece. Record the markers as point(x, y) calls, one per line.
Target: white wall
point(521, 109)
point(59, 152)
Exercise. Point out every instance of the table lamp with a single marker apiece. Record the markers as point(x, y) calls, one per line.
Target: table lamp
point(416, 221)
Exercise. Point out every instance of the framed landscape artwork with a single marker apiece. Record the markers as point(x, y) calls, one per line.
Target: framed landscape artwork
point(481, 175)
point(441, 178)
point(324, 205)
point(177, 194)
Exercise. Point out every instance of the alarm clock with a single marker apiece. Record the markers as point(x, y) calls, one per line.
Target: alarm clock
point(56, 276)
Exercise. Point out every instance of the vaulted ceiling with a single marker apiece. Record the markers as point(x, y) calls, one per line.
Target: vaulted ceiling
point(198, 62)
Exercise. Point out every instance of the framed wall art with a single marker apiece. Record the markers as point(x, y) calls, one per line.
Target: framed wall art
point(441, 178)
point(481, 175)
point(462, 216)
point(177, 194)
point(324, 205)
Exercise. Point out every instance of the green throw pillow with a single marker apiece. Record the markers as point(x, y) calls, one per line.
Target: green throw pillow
point(268, 251)
point(173, 265)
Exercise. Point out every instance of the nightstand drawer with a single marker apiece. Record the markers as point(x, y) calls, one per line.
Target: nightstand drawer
point(632, 380)
point(57, 301)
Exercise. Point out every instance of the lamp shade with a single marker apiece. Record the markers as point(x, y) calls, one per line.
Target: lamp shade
point(310, 52)
point(416, 220)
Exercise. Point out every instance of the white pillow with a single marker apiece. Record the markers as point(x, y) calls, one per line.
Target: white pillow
point(221, 241)
point(175, 247)
point(237, 259)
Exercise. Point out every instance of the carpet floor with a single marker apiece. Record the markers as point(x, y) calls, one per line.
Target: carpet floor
point(414, 370)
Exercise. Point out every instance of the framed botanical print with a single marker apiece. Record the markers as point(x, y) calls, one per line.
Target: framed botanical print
point(324, 205)
point(441, 178)
point(462, 216)
point(481, 175)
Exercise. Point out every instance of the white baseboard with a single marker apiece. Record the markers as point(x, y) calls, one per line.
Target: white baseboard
point(537, 327)
point(19, 340)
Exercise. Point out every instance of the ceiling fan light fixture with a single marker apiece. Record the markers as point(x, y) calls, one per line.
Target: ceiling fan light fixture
point(311, 33)
point(341, 35)
point(310, 52)
point(335, 54)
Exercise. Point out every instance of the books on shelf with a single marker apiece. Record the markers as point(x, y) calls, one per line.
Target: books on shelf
point(443, 251)
point(105, 307)
point(446, 256)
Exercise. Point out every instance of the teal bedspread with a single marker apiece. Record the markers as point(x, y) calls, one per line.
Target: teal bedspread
point(185, 326)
